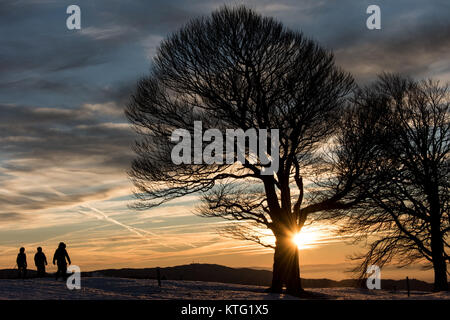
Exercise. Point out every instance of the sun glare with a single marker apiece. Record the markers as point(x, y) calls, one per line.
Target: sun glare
point(304, 239)
point(308, 238)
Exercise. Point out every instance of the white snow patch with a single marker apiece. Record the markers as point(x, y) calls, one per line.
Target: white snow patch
point(100, 288)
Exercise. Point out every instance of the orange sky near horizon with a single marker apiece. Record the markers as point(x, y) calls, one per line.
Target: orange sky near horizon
point(104, 234)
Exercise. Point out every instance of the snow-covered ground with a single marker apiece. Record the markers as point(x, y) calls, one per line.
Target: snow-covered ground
point(117, 288)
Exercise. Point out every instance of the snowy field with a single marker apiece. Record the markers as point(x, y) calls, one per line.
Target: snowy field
point(101, 288)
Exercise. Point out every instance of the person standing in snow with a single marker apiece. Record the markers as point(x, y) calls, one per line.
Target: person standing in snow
point(60, 258)
point(40, 260)
point(22, 263)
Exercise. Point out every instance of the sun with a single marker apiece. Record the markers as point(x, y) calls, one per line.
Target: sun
point(304, 239)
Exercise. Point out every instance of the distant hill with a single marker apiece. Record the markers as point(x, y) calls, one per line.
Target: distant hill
point(12, 273)
point(218, 273)
point(197, 272)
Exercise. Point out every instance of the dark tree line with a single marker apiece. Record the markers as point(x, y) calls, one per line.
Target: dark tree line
point(238, 70)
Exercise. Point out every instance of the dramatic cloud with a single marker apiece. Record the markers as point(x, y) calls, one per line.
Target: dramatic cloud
point(65, 145)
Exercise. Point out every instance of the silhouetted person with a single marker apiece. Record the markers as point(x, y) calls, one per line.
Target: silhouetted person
point(22, 263)
point(60, 258)
point(40, 260)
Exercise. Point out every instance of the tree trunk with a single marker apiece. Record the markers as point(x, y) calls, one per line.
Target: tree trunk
point(437, 244)
point(439, 263)
point(440, 275)
point(286, 269)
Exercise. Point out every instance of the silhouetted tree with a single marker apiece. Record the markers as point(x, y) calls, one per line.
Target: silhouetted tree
point(238, 70)
point(405, 189)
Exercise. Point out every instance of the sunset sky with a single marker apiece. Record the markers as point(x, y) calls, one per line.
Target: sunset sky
point(65, 145)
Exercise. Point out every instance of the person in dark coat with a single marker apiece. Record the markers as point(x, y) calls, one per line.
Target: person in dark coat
point(60, 258)
point(22, 263)
point(40, 260)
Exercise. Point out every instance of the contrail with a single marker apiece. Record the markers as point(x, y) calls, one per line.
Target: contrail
point(106, 217)
point(140, 232)
point(102, 216)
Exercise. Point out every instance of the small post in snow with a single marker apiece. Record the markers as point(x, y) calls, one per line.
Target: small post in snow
point(158, 275)
point(407, 285)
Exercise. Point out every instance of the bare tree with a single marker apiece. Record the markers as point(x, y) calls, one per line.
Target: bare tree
point(405, 190)
point(238, 70)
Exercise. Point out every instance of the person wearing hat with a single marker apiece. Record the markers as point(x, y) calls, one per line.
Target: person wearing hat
point(60, 258)
point(40, 260)
point(22, 263)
